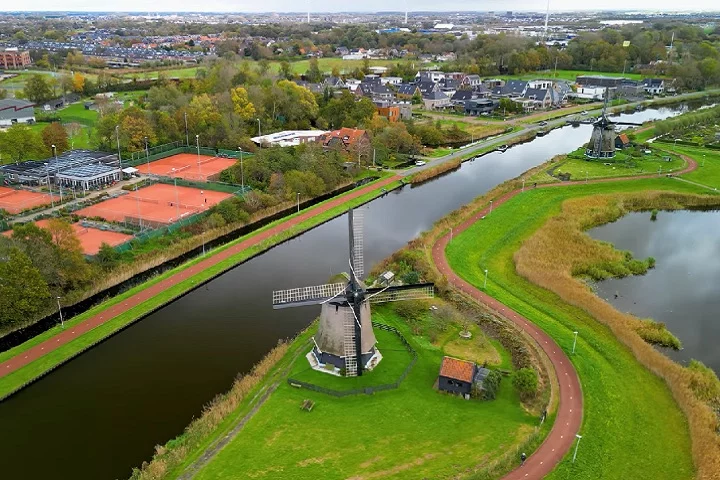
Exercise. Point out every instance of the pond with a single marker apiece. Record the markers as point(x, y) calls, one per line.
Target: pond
point(683, 290)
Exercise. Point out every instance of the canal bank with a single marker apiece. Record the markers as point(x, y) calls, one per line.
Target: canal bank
point(174, 361)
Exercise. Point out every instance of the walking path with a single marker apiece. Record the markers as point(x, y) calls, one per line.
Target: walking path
point(70, 334)
point(570, 407)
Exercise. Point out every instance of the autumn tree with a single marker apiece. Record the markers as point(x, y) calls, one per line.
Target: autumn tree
point(78, 82)
point(241, 103)
point(134, 129)
point(55, 134)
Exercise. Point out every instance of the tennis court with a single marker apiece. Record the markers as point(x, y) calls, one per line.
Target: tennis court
point(15, 201)
point(90, 238)
point(189, 166)
point(155, 206)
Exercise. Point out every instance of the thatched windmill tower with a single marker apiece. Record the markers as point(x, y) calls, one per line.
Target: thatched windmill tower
point(345, 337)
point(602, 141)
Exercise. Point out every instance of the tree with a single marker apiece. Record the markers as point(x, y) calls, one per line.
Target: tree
point(107, 258)
point(37, 89)
point(21, 143)
point(335, 71)
point(313, 73)
point(241, 103)
point(526, 382)
point(23, 292)
point(286, 71)
point(3, 94)
point(55, 134)
point(78, 83)
point(134, 128)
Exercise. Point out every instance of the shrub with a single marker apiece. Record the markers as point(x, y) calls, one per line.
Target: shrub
point(526, 383)
point(490, 386)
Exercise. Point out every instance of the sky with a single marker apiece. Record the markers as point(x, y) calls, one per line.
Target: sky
point(368, 5)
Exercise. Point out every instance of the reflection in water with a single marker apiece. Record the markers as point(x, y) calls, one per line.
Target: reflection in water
point(103, 412)
point(683, 290)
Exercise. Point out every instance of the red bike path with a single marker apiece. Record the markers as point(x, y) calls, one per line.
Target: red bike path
point(570, 407)
point(37, 351)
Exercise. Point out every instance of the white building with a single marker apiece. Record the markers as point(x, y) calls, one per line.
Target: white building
point(288, 138)
point(13, 110)
point(391, 80)
point(590, 93)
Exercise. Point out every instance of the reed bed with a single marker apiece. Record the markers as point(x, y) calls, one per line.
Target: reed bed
point(695, 389)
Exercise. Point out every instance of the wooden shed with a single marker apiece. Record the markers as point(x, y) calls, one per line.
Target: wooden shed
point(456, 376)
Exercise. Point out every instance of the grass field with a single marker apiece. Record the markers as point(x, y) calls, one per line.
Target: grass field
point(631, 422)
point(571, 75)
point(18, 378)
point(708, 171)
point(622, 165)
point(411, 432)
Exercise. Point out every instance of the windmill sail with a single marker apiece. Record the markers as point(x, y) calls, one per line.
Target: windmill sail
point(295, 297)
point(404, 292)
point(357, 259)
point(349, 346)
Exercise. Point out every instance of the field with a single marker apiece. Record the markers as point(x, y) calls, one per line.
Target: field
point(411, 432)
point(629, 425)
point(188, 166)
point(91, 239)
point(155, 205)
point(708, 171)
point(623, 165)
point(570, 75)
point(15, 201)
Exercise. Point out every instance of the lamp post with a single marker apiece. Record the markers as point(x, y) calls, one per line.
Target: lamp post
point(147, 154)
point(259, 134)
point(203, 232)
point(177, 199)
point(486, 274)
point(47, 175)
point(490, 207)
point(703, 164)
point(523, 188)
point(187, 136)
point(62, 323)
point(197, 142)
point(242, 172)
point(298, 201)
point(117, 136)
point(574, 342)
point(579, 437)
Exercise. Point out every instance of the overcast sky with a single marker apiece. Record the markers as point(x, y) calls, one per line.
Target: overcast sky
point(368, 5)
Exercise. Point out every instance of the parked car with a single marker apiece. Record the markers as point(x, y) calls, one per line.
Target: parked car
point(584, 112)
point(543, 123)
point(419, 163)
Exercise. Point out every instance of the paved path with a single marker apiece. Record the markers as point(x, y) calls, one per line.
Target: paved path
point(74, 332)
point(570, 407)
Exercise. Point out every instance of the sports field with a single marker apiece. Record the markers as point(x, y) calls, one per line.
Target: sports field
point(15, 201)
point(188, 166)
point(90, 238)
point(155, 206)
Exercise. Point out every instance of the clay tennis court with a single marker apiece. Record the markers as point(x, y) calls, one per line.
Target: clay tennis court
point(188, 166)
point(15, 201)
point(90, 238)
point(156, 205)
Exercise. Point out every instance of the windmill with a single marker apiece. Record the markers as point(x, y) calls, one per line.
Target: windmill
point(345, 337)
point(602, 140)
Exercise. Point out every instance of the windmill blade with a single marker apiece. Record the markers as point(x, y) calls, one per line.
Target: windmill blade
point(349, 346)
point(403, 292)
point(357, 260)
point(297, 297)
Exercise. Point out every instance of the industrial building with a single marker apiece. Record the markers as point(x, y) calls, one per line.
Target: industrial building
point(67, 167)
point(14, 111)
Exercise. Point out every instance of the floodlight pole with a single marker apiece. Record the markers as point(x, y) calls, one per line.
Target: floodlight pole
point(259, 134)
point(187, 136)
point(177, 199)
point(574, 342)
point(579, 437)
point(197, 142)
point(490, 207)
point(147, 154)
point(298, 201)
point(117, 135)
point(47, 174)
point(486, 275)
point(242, 172)
point(62, 323)
point(203, 232)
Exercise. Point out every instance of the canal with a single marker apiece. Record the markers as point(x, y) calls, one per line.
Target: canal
point(682, 290)
point(102, 413)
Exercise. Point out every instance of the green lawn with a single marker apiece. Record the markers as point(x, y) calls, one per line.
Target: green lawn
point(77, 112)
point(708, 171)
point(411, 432)
point(18, 378)
point(632, 426)
point(571, 74)
point(622, 165)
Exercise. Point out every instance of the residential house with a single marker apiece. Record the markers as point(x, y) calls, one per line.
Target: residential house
point(429, 76)
point(341, 51)
point(560, 91)
point(654, 86)
point(599, 81)
point(345, 138)
point(480, 106)
point(14, 111)
point(446, 57)
point(512, 89)
point(492, 83)
point(428, 87)
point(481, 91)
point(377, 70)
point(391, 80)
point(630, 90)
point(540, 96)
point(590, 93)
point(622, 141)
point(436, 100)
point(374, 91)
point(407, 90)
point(391, 112)
point(471, 81)
point(313, 87)
point(455, 76)
point(352, 84)
point(461, 96)
point(456, 376)
point(540, 84)
point(335, 83)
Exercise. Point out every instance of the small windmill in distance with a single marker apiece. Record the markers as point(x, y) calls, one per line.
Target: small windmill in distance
point(345, 337)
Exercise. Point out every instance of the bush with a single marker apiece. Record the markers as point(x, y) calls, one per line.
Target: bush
point(526, 383)
point(490, 386)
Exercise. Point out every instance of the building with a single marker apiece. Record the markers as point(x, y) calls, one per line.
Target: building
point(391, 80)
point(436, 100)
point(654, 86)
point(391, 112)
point(428, 87)
point(14, 111)
point(288, 138)
point(471, 81)
point(540, 96)
point(456, 376)
point(511, 89)
point(429, 76)
point(599, 81)
point(13, 59)
point(345, 138)
point(407, 90)
point(622, 141)
point(87, 177)
point(590, 92)
point(461, 96)
point(40, 172)
point(480, 106)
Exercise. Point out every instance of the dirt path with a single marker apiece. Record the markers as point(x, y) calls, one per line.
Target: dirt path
point(570, 407)
point(70, 334)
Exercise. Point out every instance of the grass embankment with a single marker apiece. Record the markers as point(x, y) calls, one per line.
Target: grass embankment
point(397, 434)
point(632, 423)
point(17, 379)
point(708, 171)
point(575, 166)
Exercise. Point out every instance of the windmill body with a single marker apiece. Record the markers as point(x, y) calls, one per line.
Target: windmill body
point(602, 140)
point(345, 342)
